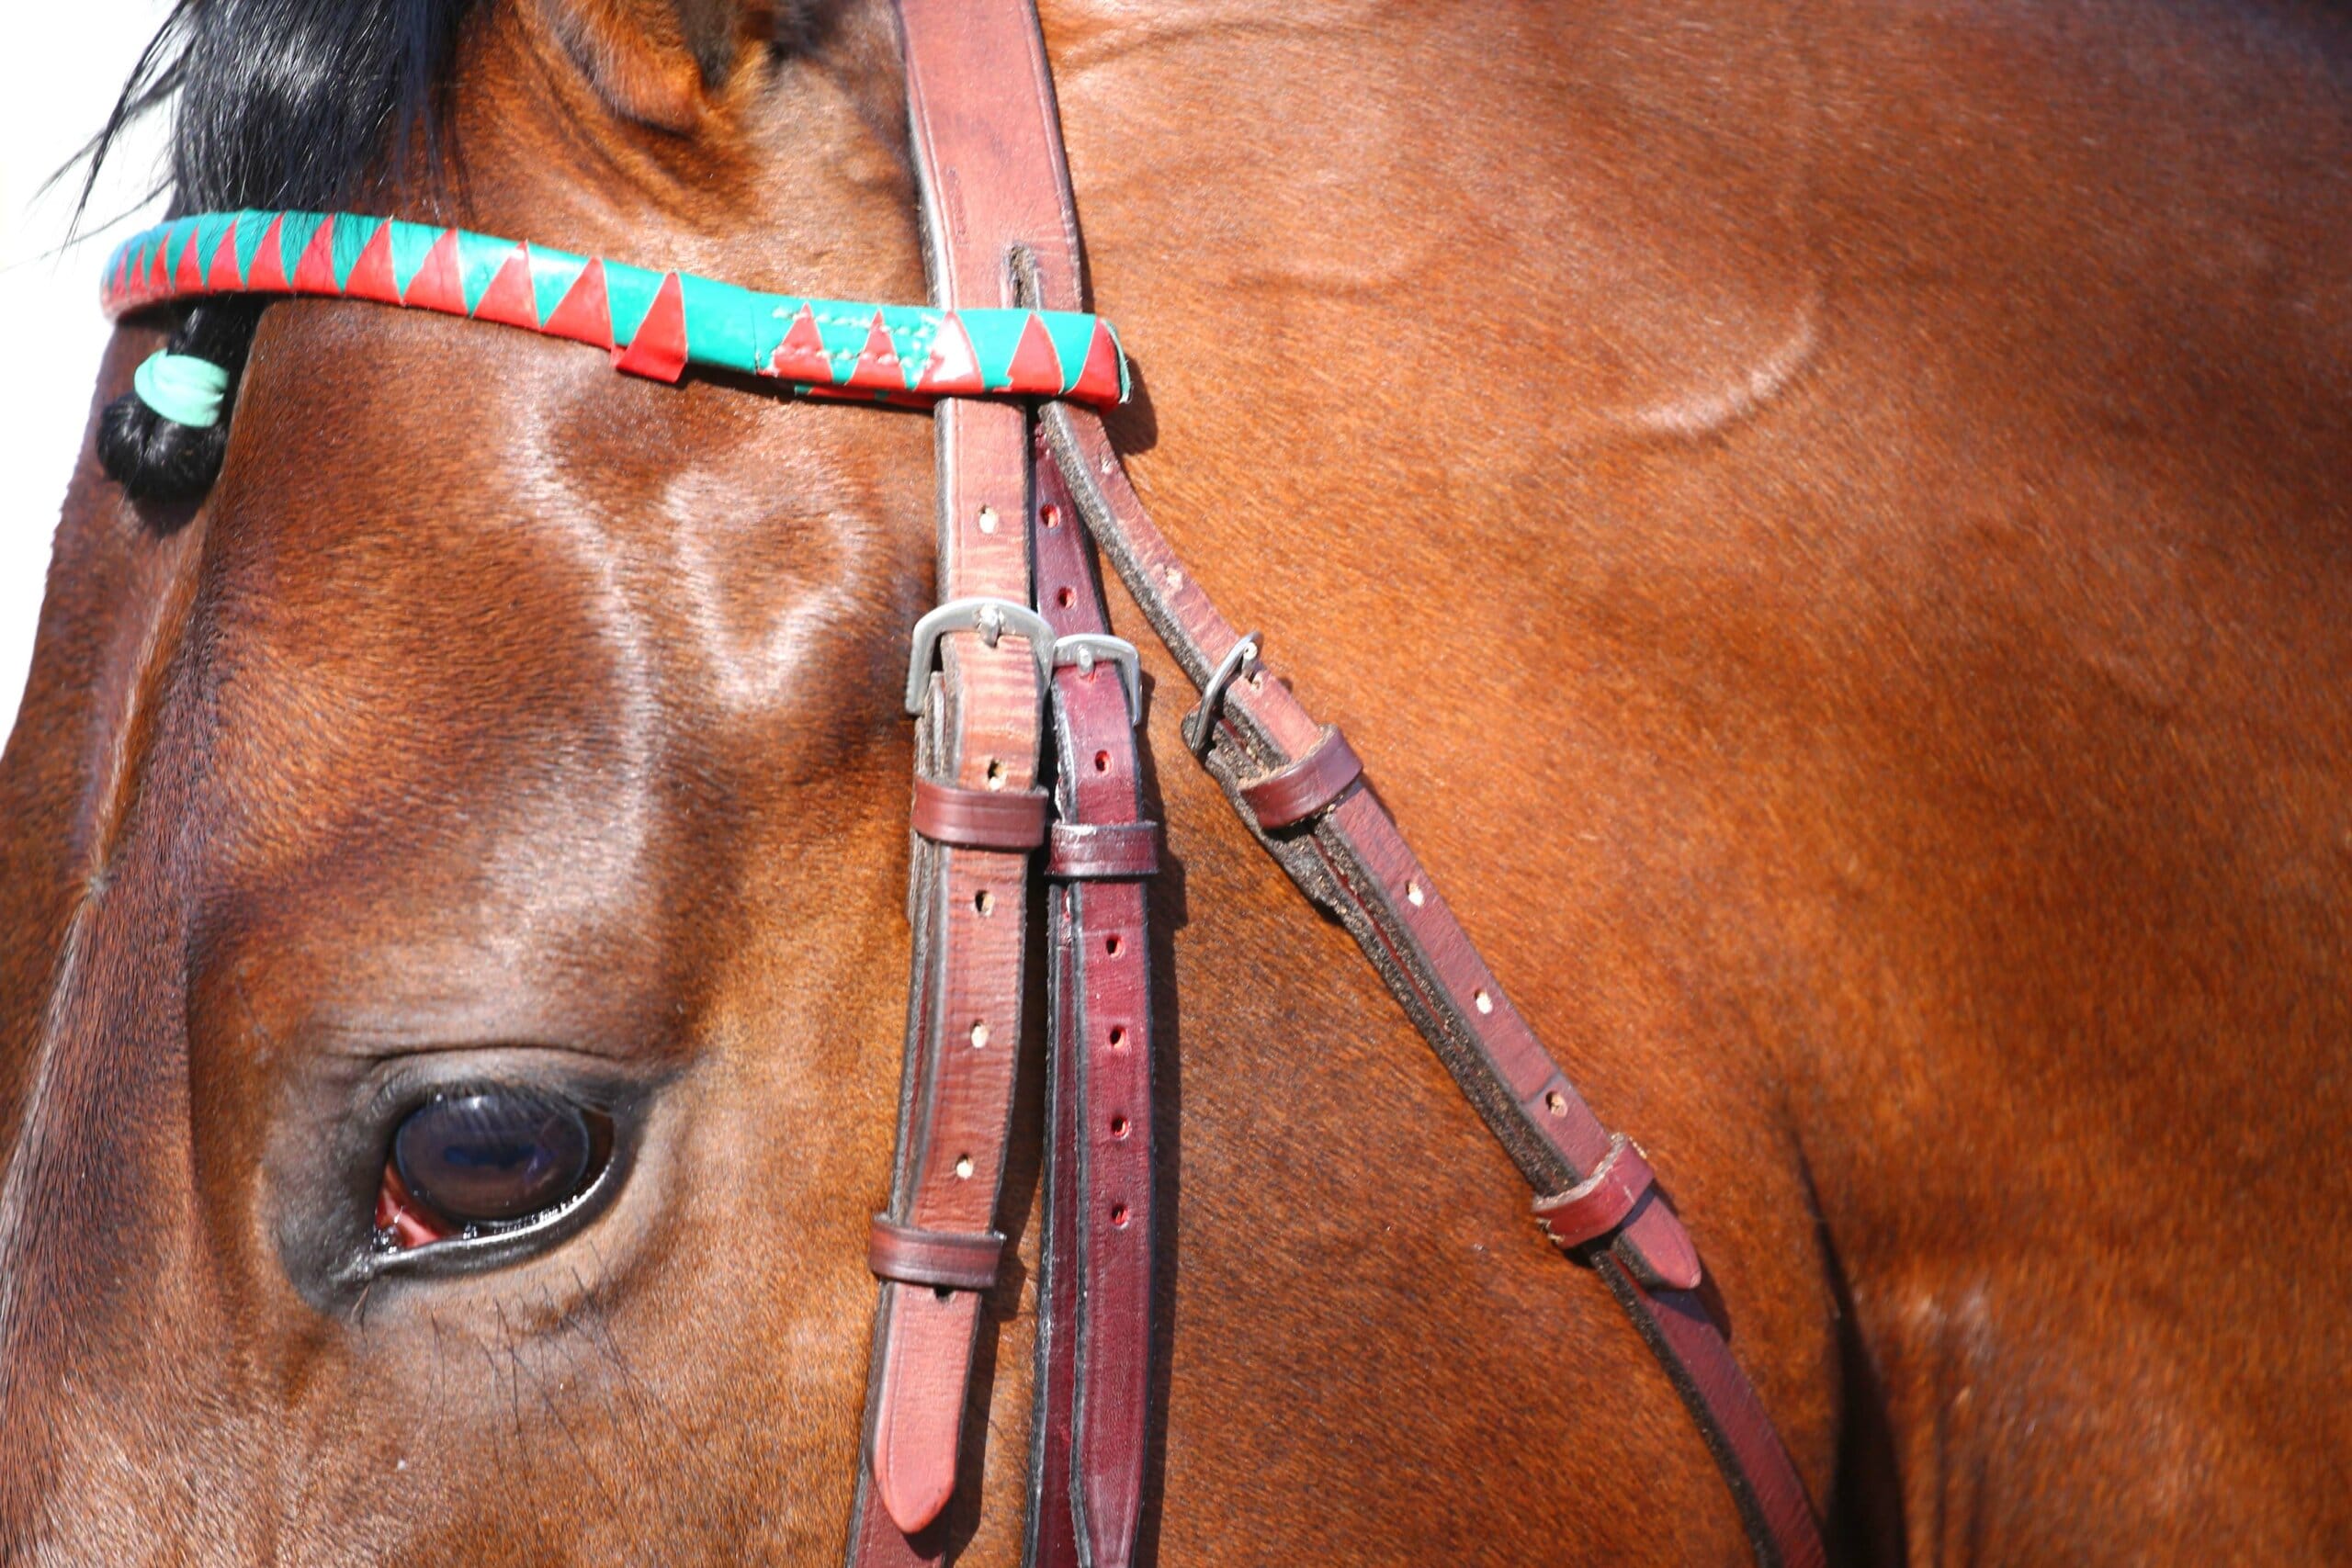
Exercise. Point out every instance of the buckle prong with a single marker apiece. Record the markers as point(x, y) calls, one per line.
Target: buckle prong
point(1083, 649)
point(992, 618)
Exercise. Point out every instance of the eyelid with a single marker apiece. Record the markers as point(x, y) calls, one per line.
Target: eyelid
point(402, 1093)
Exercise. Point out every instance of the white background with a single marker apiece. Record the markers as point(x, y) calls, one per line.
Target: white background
point(59, 77)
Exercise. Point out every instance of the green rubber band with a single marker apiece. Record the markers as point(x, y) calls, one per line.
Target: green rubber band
point(182, 387)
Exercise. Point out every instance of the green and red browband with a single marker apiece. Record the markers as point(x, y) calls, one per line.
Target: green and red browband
point(654, 323)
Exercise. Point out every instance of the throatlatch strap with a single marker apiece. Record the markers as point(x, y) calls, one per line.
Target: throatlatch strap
point(1351, 859)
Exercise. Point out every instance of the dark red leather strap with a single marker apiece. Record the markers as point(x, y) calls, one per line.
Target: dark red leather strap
point(979, 818)
point(1355, 862)
point(1094, 1373)
point(963, 1025)
point(1050, 1538)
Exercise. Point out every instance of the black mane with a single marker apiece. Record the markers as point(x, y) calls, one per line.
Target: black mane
point(307, 104)
point(275, 104)
point(289, 102)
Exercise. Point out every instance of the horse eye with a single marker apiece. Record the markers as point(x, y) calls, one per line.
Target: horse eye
point(490, 1155)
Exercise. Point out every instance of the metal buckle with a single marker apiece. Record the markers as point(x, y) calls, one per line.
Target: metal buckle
point(1203, 718)
point(1083, 649)
point(992, 618)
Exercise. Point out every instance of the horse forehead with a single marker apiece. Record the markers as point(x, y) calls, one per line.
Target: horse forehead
point(473, 707)
point(510, 525)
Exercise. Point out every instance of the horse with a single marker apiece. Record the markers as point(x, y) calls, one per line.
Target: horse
point(1818, 522)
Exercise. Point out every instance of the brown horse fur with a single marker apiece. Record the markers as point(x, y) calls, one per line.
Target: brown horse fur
point(1830, 524)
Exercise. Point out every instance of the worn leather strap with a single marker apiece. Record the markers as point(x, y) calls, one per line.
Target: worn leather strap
point(1092, 1426)
point(945, 1261)
point(992, 186)
point(1011, 819)
point(1355, 862)
point(1296, 791)
point(1050, 1533)
point(1102, 851)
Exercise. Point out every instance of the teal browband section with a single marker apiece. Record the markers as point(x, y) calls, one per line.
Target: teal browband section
point(655, 323)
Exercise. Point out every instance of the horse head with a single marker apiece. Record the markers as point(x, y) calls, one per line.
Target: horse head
point(1844, 609)
point(498, 724)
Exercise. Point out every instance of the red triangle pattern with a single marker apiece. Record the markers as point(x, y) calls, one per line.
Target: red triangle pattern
point(223, 279)
point(191, 274)
point(1098, 382)
point(801, 356)
point(953, 368)
point(659, 350)
point(1035, 367)
point(877, 361)
point(268, 273)
point(436, 286)
point(509, 298)
point(371, 275)
point(314, 274)
point(584, 314)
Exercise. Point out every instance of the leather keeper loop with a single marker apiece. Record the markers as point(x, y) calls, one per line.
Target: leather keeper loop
point(947, 1260)
point(1290, 794)
point(1600, 1202)
point(979, 818)
point(1108, 851)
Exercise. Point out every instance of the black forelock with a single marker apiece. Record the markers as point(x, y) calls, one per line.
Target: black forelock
point(290, 103)
point(306, 105)
point(299, 104)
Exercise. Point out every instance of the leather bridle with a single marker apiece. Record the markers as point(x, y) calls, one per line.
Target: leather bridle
point(1017, 683)
point(1001, 229)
